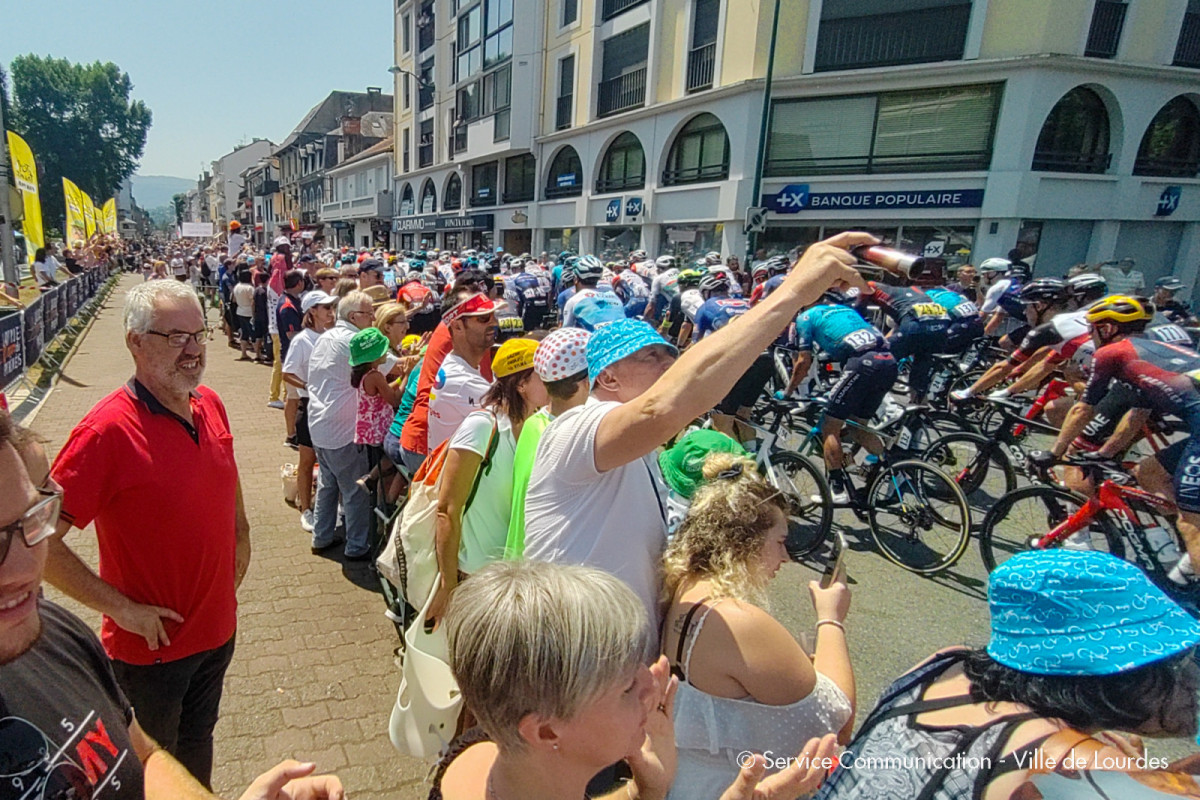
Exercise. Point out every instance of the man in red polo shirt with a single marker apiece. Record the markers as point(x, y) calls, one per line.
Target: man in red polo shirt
point(152, 465)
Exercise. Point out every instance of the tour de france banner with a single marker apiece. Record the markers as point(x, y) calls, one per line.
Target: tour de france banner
point(12, 362)
point(109, 215)
point(25, 173)
point(76, 226)
point(33, 330)
point(89, 214)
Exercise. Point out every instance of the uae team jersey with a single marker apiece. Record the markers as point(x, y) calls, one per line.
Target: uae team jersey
point(1167, 376)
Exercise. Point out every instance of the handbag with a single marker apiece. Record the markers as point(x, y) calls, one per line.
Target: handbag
point(409, 559)
point(428, 703)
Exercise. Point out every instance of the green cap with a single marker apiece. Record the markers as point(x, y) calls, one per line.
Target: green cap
point(683, 465)
point(367, 345)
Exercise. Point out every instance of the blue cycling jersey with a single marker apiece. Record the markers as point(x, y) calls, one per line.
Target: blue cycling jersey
point(958, 306)
point(564, 296)
point(598, 309)
point(838, 330)
point(716, 313)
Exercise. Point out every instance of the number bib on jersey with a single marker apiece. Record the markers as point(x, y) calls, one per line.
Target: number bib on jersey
point(929, 311)
point(860, 339)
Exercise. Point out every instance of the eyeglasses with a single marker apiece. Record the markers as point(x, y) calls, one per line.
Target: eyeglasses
point(180, 340)
point(35, 525)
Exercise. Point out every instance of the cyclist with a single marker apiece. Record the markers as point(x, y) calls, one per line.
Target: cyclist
point(633, 291)
point(719, 308)
point(683, 316)
point(920, 332)
point(777, 267)
point(868, 372)
point(591, 306)
point(1167, 378)
point(663, 289)
point(1001, 278)
point(529, 294)
point(566, 286)
point(1177, 311)
point(966, 325)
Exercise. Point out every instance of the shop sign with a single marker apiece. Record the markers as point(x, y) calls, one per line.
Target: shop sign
point(1168, 201)
point(445, 222)
point(612, 212)
point(566, 179)
point(795, 198)
point(633, 206)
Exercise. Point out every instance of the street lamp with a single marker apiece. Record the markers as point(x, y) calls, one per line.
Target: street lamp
point(421, 82)
point(755, 198)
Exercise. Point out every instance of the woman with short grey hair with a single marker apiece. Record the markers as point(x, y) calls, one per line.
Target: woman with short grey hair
point(551, 659)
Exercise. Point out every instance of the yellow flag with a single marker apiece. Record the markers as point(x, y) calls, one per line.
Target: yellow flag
point(109, 215)
point(89, 214)
point(76, 226)
point(25, 172)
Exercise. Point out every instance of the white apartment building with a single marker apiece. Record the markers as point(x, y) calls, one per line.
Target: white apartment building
point(359, 194)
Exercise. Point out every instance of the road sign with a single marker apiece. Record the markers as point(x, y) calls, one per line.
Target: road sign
point(756, 219)
point(633, 206)
point(613, 212)
point(792, 199)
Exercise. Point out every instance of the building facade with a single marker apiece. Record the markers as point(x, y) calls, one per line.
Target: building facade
point(226, 185)
point(960, 128)
point(358, 211)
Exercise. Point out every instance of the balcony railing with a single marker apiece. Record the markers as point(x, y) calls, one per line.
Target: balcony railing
point(867, 164)
point(1167, 167)
point(702, 61)
point(613, 7)
point(1046, 161)
point(1105, 33)
point(563, 113)
point(424, 98)
point(265, 188)
point(880, 40)
point(425, 155)
point(622, 93)
point(1187, 50)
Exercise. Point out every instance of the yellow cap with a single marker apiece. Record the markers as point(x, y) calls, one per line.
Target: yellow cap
point(513, 356)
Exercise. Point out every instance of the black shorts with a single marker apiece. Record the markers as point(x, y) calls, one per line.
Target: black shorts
point(246, 328)
point(866, 379)
point(748, 387)
point(1106, 415)
point(962, 334)
point(303, 438)
point(1182, 460)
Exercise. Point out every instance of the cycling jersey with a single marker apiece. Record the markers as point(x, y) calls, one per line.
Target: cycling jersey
point(716, 313)
point(839, 331)
point(415, 293)
point(590, 308)
point(1164, 330)
point(1167, 376)
point(771, 284)
point(955, 304)
point(531, 298)
point(1056, 333)
point(629, 285)
point(663, 289)
point(1003, 295)
point(563, 296)
point(905, 304)
point(690, 302)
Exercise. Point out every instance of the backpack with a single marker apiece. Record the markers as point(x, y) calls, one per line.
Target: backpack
point(409, 559)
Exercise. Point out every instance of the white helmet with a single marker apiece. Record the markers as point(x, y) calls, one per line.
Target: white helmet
point(995, 265)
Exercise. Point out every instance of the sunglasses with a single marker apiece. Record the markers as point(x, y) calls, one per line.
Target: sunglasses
point(35, 525)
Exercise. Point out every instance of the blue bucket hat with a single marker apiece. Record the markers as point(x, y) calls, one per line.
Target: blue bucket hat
point(610, 343)
point(1064, 612)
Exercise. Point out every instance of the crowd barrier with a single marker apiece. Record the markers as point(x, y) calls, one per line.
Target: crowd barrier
point(26, 334)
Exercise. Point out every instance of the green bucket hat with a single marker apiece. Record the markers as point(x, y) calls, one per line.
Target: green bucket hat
point(683, 465)
point(367, 345)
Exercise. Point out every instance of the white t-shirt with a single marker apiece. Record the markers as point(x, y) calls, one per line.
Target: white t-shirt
point(457, 390)
point(243, 296)
point(575, 514)
point(236, 240)
point(485, 523)
point(300, 348)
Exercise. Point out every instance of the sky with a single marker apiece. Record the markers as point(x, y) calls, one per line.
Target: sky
point(214, 73)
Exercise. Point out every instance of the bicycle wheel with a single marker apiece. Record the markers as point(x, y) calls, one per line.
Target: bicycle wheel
point(976, 463)
point(918, 516)
point(810, 508)
point(1021, 518)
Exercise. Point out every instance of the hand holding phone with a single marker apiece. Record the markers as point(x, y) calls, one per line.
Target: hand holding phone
point(835, 565)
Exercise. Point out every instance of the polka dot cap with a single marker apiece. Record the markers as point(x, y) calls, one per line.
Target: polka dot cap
point(561, 354)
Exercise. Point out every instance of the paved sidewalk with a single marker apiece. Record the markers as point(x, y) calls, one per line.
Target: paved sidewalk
point(313, 676)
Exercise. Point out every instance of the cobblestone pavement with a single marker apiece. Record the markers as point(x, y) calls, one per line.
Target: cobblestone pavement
point(313, 676)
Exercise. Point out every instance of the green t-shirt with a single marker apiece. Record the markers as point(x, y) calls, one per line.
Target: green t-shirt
point(531, 434)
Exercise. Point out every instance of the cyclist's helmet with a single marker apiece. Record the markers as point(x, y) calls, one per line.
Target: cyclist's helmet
point(834, 297)
point(690, 277)
point(347, 259)
point(760, 271)
point(777, 265)
point(416, 263)
point(589, 268)
point(712, 258)
point(666, 262)
point(470, 253)
point(716, 281)
point(1043, 290)
point(413, 276)
point(1170, 283)
point(995, 265)
point(1126, 312)
point(565, 256)
point(472, 262)
point(638, 256)
point(1020, 270)
point(1086, 288)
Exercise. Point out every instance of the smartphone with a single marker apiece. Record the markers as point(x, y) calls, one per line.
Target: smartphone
point(835, 567)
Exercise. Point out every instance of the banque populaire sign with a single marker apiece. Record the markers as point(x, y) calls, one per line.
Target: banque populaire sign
point(795, 198)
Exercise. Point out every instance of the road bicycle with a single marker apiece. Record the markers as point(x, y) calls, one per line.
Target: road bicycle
point(1119, 518)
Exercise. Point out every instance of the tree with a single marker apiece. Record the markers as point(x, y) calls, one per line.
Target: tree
point(179, 201)
point(80, 123)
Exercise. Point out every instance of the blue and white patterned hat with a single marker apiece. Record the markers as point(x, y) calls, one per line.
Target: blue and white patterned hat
point(610, 343)
point(1070, 612)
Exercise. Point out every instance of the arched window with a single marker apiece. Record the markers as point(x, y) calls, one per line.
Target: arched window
point(566, 175)
point(1074, 137)
point(407, 206)
point(699, 153)
point(428, 198)
point(452, 201)
point(1171, 145)
point(624, 165)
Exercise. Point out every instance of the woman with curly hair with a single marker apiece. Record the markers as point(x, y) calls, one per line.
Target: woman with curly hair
point(745, 683)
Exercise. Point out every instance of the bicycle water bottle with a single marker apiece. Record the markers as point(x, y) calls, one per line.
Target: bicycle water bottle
point(1162, 544)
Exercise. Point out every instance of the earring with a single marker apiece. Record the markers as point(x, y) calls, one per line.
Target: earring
point(556, 745)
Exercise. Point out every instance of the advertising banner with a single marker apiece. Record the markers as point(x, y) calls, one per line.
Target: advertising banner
point(12, 361)
point(61, 321)
point(72, 290)
point(89, 214)
point(109, 215)
point(31, 321)
point(25, 173)
point(76, 225)
point(196, 230)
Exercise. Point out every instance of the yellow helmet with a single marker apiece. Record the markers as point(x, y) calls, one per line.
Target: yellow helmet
point(1120, 309)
